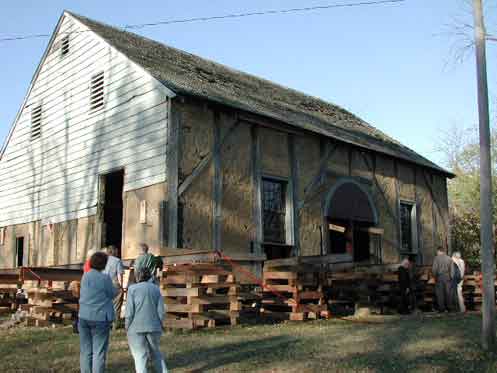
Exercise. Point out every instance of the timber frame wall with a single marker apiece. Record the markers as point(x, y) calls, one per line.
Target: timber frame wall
point(217, 163)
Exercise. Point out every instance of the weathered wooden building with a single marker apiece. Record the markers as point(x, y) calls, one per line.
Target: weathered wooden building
point(122, 139)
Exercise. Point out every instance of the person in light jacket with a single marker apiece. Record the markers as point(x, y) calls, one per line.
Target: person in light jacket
point(458, 279)
point(144, 316)
point(96, 313)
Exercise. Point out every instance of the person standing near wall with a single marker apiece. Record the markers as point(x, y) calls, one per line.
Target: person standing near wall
point(115, 270)
point(96, 313)
point(145, 312)
point(405, 286)
point(441, 271)
point(458, 270)
point(147, 261)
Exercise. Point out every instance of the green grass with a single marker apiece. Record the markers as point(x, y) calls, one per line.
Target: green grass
point(448, 344)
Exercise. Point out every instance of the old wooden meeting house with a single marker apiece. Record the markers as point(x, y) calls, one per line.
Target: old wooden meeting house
point(122, 139)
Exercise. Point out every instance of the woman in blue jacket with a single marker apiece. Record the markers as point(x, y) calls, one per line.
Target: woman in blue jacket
point(144, 315)
point(96, 313)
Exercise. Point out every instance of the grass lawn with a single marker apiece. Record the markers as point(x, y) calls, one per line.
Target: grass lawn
point(422, 344)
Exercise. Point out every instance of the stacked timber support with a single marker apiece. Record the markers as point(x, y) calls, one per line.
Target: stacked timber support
point(50, 302)
point(292, 291)
point(200, 295)
point(8, 302)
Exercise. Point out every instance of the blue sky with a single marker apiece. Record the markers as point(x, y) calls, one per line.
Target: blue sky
point(391, 65)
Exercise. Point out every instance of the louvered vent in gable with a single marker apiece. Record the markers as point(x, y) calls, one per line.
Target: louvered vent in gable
point(97, 91)
point(36, 122)
point(64, 46)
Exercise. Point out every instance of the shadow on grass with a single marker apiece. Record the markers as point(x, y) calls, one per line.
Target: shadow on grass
point(205, 358)
point(445, 345)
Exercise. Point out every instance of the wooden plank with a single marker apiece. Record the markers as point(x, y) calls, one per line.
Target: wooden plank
point(217, 189)
point(181, 292)
point(183, 308)
point(214, 299)
point(172, 169)
point(285, 288)
point(280, 275)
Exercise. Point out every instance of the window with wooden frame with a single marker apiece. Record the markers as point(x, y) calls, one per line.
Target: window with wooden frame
point(97, 91)
point(64, 46)
point(274, 206)
point(408, 226)
point(36, 119)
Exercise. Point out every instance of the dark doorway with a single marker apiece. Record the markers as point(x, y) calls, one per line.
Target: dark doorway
point(349, 216)
point(113, 209)
point(19, 251)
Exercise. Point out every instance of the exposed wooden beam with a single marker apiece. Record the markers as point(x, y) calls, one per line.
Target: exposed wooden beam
point(172, 166)
point(218, 184)
point(317, 180)
point(372, 169)
point(397, 203)
point(202, 165)
point(252, 119)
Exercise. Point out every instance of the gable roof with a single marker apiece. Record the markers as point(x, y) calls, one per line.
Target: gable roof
point(187, 74)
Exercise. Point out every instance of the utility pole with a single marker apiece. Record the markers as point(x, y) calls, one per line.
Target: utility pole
point(486, 234)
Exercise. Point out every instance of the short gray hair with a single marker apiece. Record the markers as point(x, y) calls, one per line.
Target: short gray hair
point(111, 250)
point(456, 254)
point(143, 247)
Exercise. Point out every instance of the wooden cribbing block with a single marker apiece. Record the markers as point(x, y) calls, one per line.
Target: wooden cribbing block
point(182, 292)
point(280, 275)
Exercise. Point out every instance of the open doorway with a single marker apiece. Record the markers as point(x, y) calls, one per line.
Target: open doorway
point(19, 251)
point(112, 230)
point(350, 215)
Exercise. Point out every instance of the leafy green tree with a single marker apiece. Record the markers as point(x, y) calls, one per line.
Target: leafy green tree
point(460, 147)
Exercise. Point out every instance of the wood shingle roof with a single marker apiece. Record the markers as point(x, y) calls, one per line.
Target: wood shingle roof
point(187, 74)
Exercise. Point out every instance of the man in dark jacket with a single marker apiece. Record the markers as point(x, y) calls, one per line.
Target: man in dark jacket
point(405, 287)
point(441, 271)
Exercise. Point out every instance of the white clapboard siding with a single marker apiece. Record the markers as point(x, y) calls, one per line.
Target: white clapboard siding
point(66, 113)
point(57, 175)
point(77, 132)
point(63, 186)
point(136, 130)
point(97, 152)
point(72, 98)
point(78, 89)
point(103, 160)
point(55, 178)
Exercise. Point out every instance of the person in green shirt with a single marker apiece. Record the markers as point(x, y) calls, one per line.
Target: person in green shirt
point(147, 261)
